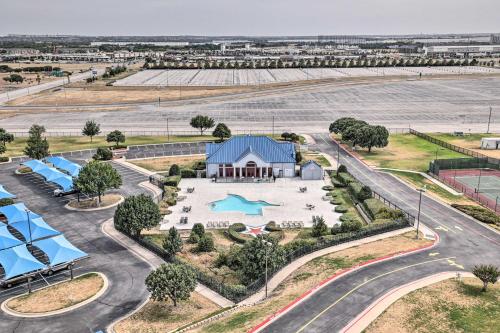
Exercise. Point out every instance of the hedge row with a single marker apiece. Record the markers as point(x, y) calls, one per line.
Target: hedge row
point(234, 230)
point(480, 213)
point(172, 181)
point(373, 207)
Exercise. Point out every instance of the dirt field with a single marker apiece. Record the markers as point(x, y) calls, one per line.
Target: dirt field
point(60, 296)
point(164, 317)
point(309, 276)
point(164, 163)
point(472, 141)
point(447, 306)
point(98, 94)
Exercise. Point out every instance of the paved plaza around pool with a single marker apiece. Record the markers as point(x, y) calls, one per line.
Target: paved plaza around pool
point(288, 204)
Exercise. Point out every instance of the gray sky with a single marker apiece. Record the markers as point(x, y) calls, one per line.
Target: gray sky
point(247, 17)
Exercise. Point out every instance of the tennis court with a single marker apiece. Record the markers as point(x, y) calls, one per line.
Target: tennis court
point(482, 185)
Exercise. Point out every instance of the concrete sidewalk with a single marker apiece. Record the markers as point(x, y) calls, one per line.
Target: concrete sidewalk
point(155, 261)
point(281, 275)
point(380, 305)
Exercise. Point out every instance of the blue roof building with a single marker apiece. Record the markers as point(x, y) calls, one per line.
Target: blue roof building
point(250, 157)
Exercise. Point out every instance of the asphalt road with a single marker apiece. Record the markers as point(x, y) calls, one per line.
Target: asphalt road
point(125, 272)
point(429, 105)
point(463, 244)
point(7, 96)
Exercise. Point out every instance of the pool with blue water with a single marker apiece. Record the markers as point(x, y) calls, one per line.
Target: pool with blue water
point(236, 203)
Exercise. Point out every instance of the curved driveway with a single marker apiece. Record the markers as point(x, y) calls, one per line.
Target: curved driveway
point(463, 243)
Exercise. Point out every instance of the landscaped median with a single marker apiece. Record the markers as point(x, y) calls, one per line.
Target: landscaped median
point(450, 305)
point(58, 298)
point(108, 201)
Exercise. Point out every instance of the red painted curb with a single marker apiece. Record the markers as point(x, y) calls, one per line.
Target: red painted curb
point(335, 276)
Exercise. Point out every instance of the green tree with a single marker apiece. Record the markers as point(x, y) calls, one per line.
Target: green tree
point(171, 281)
point(116, 136)
point(198, 229)
point(487, 274)
point(2, 150)
point(319, 227)
point(36, 146)
point(172, 242)
point(298, 157)
point(253, 254)
point(370, 136)
point(221, 131)
point(205, 244)
point(91, 129)
point(351, 225)
point(95, 178)
point(354, 133)
point(5, 137)
point(202, 123)
point(136, 213)
point(341, 124)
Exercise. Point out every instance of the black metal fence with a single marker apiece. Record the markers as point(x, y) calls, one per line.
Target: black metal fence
point(238, 293)
point(410, 218)
point(456, 148)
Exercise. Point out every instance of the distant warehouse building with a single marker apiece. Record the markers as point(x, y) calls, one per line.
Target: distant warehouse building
point(461, 50)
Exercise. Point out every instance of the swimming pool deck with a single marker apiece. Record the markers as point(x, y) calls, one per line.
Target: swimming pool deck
point(284, 192)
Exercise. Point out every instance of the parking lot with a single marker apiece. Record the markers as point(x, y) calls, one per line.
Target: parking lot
point(83, 229)
point(242, 77)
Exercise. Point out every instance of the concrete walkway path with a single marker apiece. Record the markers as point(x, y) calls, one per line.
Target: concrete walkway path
point(281, 275)
point(155, 261)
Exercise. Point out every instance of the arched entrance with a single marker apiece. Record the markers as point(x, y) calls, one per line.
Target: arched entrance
point(251, 169)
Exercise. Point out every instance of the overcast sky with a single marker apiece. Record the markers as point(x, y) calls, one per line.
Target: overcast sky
point(248, 17)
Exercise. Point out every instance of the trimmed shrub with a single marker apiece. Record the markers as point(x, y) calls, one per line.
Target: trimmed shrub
point(341, 209)
point(299, 244)
point(174, 170)
point(103, 154)
point(327, 188)
point(345, 178)
point(200, 165)
point(342, 168)
point(6, 202)
point(278, 235)
point(337, 201)
point(233, 232)
point(193, 238)
point(337, 183)
point(388, 213)
point(272, 226)
point(172, 181)
point(335, 229)
point(373, 206)
point(365, 193)
point(205, 244)
point(198, 229)
point(480, 213)
point(351, 225)
point(188, 173)
point(4, 159)
point(319, 227)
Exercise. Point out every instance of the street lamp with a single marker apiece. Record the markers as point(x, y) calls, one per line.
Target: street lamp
point(29, 225)
point(421, 190)
point(267, 244)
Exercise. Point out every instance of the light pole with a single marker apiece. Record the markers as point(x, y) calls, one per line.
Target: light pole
point(29, 225)
point(496, 203)
point(266, 243)
point(489, 120)
point(421, 190)
point(479, 182)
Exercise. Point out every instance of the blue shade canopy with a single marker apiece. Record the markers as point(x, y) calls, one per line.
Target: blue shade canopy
point(49, 173)
point(65, 182)
point(17, 212)
point(7, 240)
point(59, 250)
point(4, 194)
point(34, 165)
point(59, 162)
point(17, 261)
point(39, 229)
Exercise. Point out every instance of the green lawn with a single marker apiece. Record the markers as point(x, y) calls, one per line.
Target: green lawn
point(419, 181)
point(407, 151)
point(71, 143)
